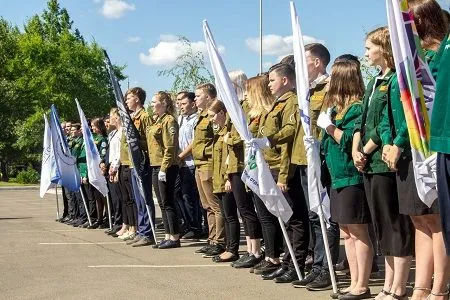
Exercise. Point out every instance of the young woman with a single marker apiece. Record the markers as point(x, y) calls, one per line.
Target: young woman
point(163, 142)
point(393, 231)
point(101, 141)
point(431, 258)
point(244, 199)
point(221, 185)
point(348, 201)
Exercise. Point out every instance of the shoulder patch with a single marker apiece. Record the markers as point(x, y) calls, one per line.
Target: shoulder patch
point(383, 88)
point(215, 127)
point(172, 130)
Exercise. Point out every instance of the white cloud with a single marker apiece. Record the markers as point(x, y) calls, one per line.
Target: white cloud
point(276, 45)
point(266, 65)
point(115, 9)
point(134, 39)
point(169, 48)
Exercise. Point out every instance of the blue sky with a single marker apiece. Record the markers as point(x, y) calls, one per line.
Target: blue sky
point(141, 33)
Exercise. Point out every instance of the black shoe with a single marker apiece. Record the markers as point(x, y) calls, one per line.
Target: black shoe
point(67, 220)
point(160, 225)
point(266, 267)
point(156, 246)
point(288, 276)
point(191, 235)
point(350, 296)
point(342, 267)
point(257, 266)
point(203, 249)
point(243, 257)
point(143, 241)
point(94, 225)
point(214, 250)
point(78, 223)
point(306, 280)
point(251, 261)
point(321, 283)
point(274, 274)
point(170, 244)
point(232, 258)
point(85, 225)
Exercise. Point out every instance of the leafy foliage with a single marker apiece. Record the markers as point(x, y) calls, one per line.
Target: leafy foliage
point(189, 70)
point(49, 62)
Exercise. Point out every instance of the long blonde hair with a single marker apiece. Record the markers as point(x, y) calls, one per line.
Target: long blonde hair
point(165, 98)
point(346, 84)
point(238, 79)
point(381, 37)
point(259, 97)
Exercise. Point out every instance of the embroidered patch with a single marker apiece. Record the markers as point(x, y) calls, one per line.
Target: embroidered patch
point(292, 118)
point(317, 97)
point(215, 127)
point(172, 130)
point(383, 88)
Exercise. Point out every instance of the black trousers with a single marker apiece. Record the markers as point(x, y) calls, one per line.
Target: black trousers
point(129, 210)
point(189, 199)
point(165, 193)
point(65, 202)
point(116, 203)
point(228, 208)
point(252, 227)
point(298, 225)
point(271, 230)
point(443, 183)
point(82, 214)
point(72, 205)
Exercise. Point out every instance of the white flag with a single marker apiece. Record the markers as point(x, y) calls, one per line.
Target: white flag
point(48, 170)
point(93, 160)
point(317, 193)
point(257, 174)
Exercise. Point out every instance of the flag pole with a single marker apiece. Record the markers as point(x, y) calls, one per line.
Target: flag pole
point(85, 207)
point(109, 211)
point(57, 202)
point(291, 250)
point(260, 36)
point(323, 228)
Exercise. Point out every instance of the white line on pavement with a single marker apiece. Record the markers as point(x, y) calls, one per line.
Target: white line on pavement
point(83, 243)
point(160, 266)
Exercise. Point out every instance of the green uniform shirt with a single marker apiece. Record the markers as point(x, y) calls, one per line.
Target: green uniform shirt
point(317, 95)
point(339, 155)
point(162, 138)
point(219, 158)
point(202, 142)
point(278, 125)
point(245, 106)
point(101, 142)
point(235, 149)
point(440, 120)
point(374, 123)
point(253, 125)
point(142, 121)
point(79, 152)
point(124, 154)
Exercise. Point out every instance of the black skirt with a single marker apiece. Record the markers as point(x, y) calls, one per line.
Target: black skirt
point(408, 198)
point(394, 231)
point(349, 205)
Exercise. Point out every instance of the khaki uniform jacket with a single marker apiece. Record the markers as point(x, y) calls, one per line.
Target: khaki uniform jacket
point(279, 125)
point(219, 156)
point(317, 96)
point(162, 138)
point(202, 143)
point(235, 149)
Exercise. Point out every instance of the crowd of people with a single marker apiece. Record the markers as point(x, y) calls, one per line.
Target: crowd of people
point(195, 159)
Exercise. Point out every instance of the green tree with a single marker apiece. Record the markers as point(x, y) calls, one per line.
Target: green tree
point(50, 63)
point(368, 72)
point(189, 69)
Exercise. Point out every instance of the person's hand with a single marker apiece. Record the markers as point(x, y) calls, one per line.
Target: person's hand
point(228, 186)
point(385, 154)
point(103, 167)
point(162, 176)
point(283, 187)
point(84, 180)
point(359, 160)
point(393, 157)
point(226, 137)
point(324, 121)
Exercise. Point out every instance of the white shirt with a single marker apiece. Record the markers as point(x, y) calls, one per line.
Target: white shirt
point(186, 135)
point(114, 148)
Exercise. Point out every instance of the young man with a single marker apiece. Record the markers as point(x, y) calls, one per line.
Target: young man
point(317, 59)
point(189, 201)
point(134, 99)
point(202, 154)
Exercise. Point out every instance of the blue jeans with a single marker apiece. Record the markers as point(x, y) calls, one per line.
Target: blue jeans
point(189, 201)
point(143, 222)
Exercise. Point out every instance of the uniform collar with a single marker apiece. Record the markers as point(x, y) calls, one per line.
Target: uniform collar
point(319, 80)
point(286, 96)
point(137, 113)
point(159, 119)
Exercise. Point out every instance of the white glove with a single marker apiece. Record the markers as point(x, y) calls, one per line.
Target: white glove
point(261, 143)
point(324, 121)
point(329, 111)
point(162, 176)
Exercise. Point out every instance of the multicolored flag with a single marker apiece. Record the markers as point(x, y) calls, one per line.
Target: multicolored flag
point(256, 174)
point(417, 90)
point(318, 197)
point(95, 174)
point(48, 170)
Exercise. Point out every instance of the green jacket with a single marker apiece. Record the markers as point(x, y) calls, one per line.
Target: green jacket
point(339, 156)
point(219, 157)
point(101, 142)
point(202, 142)
point(374, 122)
point(235, 149)
point(79, 152)
point(440, 119)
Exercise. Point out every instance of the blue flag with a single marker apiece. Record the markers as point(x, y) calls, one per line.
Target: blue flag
point(66, 173)
point(48, 170)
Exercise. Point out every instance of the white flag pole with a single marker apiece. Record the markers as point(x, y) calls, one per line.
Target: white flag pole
point(260, 36)
point(57, 202)
point(109, 211)
point(85, 207)
point(291, 250)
